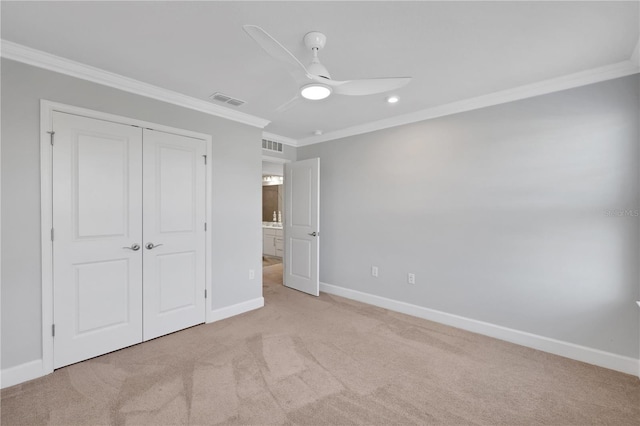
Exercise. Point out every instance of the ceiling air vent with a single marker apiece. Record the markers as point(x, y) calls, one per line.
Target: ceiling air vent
point(221, 97)
point(271, 145)
point(235, 102)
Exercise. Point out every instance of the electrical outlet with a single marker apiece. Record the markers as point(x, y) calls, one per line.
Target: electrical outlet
point(252, 274)
point(411, 278)
point(374, 271)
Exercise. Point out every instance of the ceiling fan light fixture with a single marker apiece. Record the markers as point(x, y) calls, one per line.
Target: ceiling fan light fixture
point(315, 92)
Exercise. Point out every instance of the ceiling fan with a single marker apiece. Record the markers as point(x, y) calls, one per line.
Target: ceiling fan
point(319, 83)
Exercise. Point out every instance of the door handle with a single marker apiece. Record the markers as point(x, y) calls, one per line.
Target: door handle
point(151, 246)
point(314, 234)
point(134, 247)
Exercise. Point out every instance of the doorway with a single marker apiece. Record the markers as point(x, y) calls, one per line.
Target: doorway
point(295, 227)
point(273, 214)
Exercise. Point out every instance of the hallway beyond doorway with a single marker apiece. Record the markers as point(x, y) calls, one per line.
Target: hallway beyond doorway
point(272, 274)
point(270, 260)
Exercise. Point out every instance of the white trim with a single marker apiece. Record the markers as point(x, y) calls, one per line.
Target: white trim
point(58, 64)
point(237, 309)
point(21, 373)
point(278, 138)
point(595, 75)
point(38, 58)
point(279, 160)
point(99, 115)
point(209, 230)
point(569, 350)
point(46, 223)
point(46, 113)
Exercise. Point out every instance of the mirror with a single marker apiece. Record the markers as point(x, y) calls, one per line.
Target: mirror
point(272, 200)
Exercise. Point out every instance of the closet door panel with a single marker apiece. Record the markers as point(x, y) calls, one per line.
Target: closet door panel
point(174, 236)
point(97, 219)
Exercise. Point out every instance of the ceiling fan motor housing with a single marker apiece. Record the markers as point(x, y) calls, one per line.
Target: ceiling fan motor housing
point(315, 41)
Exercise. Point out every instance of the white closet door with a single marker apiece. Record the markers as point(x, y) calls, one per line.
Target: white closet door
point(174, 235)
point(97, 220)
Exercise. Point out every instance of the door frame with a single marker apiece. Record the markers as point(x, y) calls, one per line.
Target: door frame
point(283, 161)
point(46, 202)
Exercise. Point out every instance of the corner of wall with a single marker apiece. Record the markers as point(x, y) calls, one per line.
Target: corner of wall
point(233, 310)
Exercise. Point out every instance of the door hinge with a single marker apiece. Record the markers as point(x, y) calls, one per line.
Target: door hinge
point(53, 330)
point(51, 234)
point(51, 133)
point(205, 293)
point(205, 159)
point(205, 226)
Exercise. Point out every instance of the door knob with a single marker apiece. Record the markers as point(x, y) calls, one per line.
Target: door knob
point(134, 247)
point(314, 234)
point(151, 246)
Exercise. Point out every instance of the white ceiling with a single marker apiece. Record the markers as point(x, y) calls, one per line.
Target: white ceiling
point(453, 50)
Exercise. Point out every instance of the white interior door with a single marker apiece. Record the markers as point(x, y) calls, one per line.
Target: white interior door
point(97, 221)
point(301, 225)
point(174, 232)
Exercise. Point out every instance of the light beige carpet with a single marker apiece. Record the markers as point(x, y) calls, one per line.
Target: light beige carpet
point(326, 360)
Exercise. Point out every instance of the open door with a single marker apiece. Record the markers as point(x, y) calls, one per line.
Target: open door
point(301, 225)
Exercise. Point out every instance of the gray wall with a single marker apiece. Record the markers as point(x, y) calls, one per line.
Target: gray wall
point(506, 214)
point(288, 152)
point(237, 166)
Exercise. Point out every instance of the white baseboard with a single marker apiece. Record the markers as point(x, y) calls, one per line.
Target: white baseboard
point(21, 373)
point(233, 310)
point(34, 369)
point(557, 347)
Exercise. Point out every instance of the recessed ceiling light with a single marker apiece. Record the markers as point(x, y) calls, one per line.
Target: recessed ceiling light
point(315, 92)
point(393, 99)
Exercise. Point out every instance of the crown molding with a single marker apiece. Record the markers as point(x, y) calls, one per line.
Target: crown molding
point(27, 55)
point(583, 78)
point(279, 138)
point(40, 59)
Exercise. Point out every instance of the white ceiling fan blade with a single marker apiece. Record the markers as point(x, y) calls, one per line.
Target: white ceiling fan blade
point(368, 86)
point(276, 50)
point(285, 106)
